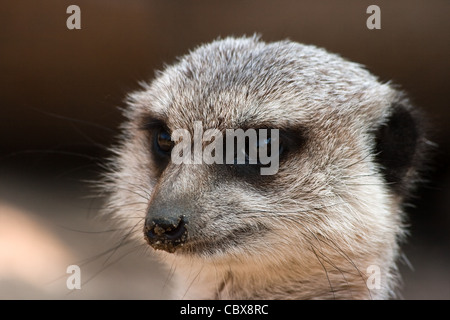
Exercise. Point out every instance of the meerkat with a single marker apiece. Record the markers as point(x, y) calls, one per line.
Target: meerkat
point(327, 225)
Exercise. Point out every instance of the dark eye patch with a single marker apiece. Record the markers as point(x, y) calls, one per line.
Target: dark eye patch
point(293, 138)
point(254, 149)
point(160, 146)
point(163, 143)
point(159, 140)
point(291, 141)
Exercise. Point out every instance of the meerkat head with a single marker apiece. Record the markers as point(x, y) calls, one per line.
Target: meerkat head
point(344, 149)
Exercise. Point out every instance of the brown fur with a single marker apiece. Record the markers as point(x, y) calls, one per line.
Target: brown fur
point(309, 232)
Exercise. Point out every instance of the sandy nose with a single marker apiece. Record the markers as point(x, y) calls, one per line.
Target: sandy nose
point(165, 233)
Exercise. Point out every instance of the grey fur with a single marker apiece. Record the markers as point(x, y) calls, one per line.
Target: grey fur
point(309, 232)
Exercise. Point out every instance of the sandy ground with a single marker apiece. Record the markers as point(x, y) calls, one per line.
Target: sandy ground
point(47, 224)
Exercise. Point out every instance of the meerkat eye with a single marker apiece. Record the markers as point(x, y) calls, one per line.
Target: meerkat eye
point(266, 143)
point(163, 142)
point(263, 147)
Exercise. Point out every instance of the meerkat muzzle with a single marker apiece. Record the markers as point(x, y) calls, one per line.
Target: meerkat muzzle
point(165, 233)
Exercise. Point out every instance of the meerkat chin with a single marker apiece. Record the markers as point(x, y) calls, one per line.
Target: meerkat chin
point(326, 225)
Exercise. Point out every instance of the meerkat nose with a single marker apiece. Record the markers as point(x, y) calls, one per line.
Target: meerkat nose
point(165, 233)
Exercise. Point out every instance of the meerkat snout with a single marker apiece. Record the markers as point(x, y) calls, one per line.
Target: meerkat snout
point(165, 226)
point(166, 232)
point(345, 150)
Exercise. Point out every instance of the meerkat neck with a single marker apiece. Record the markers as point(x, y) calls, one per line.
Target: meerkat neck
point(271, 282)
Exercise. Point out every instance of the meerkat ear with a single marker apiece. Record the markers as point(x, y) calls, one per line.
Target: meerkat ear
point(399, 147)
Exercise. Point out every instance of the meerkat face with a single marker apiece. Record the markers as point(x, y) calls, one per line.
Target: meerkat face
point(346, 150)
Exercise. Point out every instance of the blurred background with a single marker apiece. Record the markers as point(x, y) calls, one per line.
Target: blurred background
point(60, 91)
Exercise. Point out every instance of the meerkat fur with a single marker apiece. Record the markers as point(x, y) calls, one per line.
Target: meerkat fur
point(314, 229)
